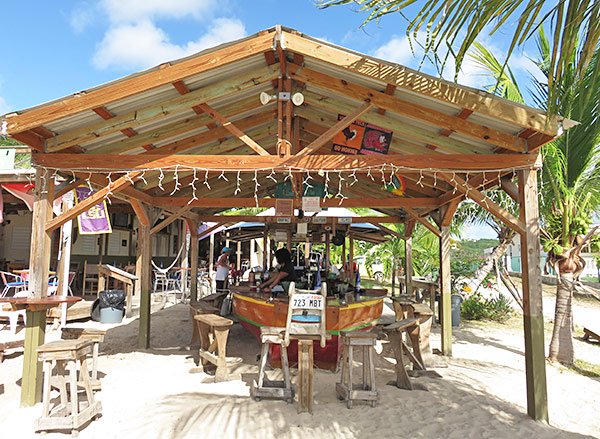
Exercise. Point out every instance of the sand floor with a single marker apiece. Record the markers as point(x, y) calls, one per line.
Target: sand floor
point(162, 393)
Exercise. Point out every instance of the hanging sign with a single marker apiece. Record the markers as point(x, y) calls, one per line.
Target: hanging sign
point(95, 220)
point(280, 235)
point(284, 220)
point(319, 220)
point(284, 207)
point(362, 138)
point(302, 228)
point(311, 204)
point(345, 220)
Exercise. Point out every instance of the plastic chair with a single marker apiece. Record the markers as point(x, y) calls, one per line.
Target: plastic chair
point(12, 281)
point(306, 313)
point(13, 316)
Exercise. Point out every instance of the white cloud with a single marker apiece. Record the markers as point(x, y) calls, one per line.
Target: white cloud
point(143, 44)
point(128, 11)
point(83, 16)
point(399, 50)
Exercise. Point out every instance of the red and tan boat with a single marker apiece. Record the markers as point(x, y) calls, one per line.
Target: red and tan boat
point(255, 310)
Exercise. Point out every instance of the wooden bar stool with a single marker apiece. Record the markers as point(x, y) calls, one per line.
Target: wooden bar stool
point(395, 333)
point(346, 389)
point(217, 327)
point(70, 414)
point(280, 389)
point(96, 336)
point(199, 307)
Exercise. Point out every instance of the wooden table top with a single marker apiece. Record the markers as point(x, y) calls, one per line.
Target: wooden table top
point(38, 303)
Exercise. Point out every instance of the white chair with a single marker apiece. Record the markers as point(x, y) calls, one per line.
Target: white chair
point(306, 313)
point(13, 316)
point(90, 276)
point(12, 281)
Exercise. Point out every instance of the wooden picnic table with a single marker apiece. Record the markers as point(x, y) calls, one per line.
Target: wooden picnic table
point(35, 331)
point(106, 271)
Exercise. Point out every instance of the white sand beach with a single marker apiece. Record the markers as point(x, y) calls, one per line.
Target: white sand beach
point(162, 393)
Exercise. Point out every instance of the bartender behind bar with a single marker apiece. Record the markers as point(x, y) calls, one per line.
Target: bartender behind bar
point(281, 281)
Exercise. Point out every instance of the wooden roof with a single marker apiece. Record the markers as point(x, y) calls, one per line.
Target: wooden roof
point(203, 112)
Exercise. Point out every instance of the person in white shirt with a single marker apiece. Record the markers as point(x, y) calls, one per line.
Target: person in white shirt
point(223, 268)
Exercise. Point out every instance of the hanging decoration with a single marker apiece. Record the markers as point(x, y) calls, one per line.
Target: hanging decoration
point(95, 220)
point(397, 186)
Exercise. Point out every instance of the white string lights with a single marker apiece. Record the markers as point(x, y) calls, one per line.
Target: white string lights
point(347, 177)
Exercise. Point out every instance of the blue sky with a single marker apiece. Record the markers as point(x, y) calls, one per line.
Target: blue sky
point(54, 48)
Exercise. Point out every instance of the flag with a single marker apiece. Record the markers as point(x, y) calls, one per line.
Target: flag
point(95, 220)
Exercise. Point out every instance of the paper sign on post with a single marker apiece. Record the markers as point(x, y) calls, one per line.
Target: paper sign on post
point(311, 204)
point(301, 228)
point(284, 207)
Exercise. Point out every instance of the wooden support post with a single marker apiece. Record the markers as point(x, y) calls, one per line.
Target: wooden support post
point(143, 272)
point(193, 226)
point(445, 291)
point(265, 234)
point(35, 329)
point(533, 318)
point(408, 265)
point(327, 251)
point(351, 258)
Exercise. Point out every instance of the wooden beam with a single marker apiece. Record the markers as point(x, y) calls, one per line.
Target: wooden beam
point(445, 291)
point(273, 219)
point(409, 109)
point(411, 81)
point(415, 215)
point(395, 202)
point(140, 211)
point(208, 232)
point(533, 316)
point(229, 126)
point(164, 223)
point(335, 129)
point(409, 227)
point(120, 89)
point(92, 200)
point(165, 157)
point(470, 192)
point(449, 210)
point(511, 189)
point(125, 193)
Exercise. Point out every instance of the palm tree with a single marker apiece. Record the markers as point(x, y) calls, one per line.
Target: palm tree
point(452, 27)
point(570, 184)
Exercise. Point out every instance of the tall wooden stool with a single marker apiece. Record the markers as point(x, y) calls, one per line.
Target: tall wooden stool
point(280, 389)
point(346, 389)
point(305, 372)
point(395, 333)
point(96, 336)
point(419, 335)
point(69, 414)
point(217, 327)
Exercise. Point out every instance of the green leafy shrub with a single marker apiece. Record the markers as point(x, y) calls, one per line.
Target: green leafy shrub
point(475, 307)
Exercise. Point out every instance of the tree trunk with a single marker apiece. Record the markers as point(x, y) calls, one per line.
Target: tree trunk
point(505, 237)
point(561, 345)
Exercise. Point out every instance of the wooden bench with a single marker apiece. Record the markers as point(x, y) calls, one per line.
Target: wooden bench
point(217, 327)
point(9, 345)
point(96, 336)
point(395, 332)
point(591, 334)
point(70, 414)
point(346, 389)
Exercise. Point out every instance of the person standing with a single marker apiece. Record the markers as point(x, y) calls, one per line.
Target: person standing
point(223, 268)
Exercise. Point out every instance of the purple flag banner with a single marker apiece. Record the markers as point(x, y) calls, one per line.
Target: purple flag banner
point(95, 220)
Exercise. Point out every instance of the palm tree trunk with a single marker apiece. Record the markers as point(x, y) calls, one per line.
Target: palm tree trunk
point(505, 237)
point(561, 345)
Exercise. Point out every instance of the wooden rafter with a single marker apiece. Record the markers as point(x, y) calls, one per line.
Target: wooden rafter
point(417, 217)
point(471, 192)
point(125, 192)
point(411, 110)
point(157, 111)
point(415, 82)
point(410, 163)
point(69, 187)
point(448, 212)
point(107, 115)
point(175, 216)
point(92, 200)
point(140, 211)
point(229, 126)
point(273, 219)
point(166, 74)
point(328, 135)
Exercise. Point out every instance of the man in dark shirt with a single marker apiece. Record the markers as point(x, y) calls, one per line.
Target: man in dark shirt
point(286, 271)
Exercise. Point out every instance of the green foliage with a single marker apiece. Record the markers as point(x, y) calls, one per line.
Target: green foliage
point(475, 307)
point(464, 262)
point(7, 141)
